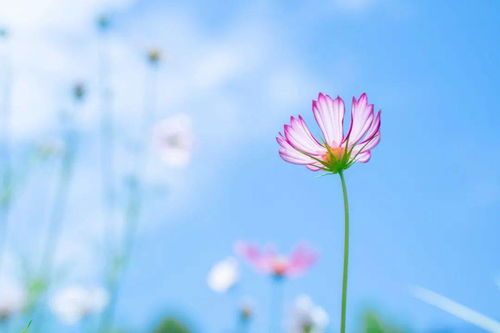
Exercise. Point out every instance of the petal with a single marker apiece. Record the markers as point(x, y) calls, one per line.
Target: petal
point(361, 118)
point(361, 152)
point(246, 250)
point(363, 157)
point(374, 128)
point(314, 167)
point(371, 144)
point(261, 260)
point(329, 114)
point(299, 137)
point(301, 259)
point(290, 154)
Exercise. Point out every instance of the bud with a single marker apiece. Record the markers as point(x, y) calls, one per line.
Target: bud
point(4, 33)
point(103, 23)
point(79, 91)
point(154, 56)
point(246, 312)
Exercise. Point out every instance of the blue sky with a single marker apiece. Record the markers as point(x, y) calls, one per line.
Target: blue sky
point(424, 209)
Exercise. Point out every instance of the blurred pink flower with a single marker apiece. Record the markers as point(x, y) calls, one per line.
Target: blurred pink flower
point(337, 151)
point(268, 261)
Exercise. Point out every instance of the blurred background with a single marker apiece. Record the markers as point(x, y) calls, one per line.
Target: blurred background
point(138, 146)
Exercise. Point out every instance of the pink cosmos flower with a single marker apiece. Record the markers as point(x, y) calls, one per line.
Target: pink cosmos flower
point(268, 261)
point(335, 151)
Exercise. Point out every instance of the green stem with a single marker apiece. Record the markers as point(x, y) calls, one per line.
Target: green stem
point(346, 254)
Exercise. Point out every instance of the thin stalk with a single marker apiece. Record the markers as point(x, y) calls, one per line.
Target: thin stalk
point(70, 137)
point(276, 304)
point(57, 214)
point(120, 265)
point(243, 325)
point(346, 254)
point(134, 205)
point(6, 186)
point(107, 139)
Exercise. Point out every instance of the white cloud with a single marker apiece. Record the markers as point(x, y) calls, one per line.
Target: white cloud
point(34, 15)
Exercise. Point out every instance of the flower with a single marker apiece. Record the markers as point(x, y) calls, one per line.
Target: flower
point(13, 299)
point(270, 262)
point(223, 275)
point(72, 304)
point(306, 317)
point(337, 151)
point(173, 138)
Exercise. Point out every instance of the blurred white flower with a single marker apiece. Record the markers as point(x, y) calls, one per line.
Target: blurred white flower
point(12, 298)
point(306, 317)
point(223, 275)
point(71, 304)
point(173, 139)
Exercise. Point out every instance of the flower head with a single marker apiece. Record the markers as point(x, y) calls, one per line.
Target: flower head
point(74, 303)
point(336, 151)
point(268, 261)
point(154, 56)
point(79, 91)
point(246, 309)
point(173, 138)
point(306, 317)
point(103, 22)
point(223, 275)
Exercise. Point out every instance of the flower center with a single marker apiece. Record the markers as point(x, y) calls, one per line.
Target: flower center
point(337, 154)
point(280, 266)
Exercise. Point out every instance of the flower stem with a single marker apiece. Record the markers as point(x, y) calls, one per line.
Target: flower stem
point(276, 303)
point(346, 254)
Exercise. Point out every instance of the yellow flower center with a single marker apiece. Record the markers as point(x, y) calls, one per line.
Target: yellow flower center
point(337, 153)
point(280, 266)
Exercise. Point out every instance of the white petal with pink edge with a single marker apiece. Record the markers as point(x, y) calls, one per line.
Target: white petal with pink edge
point(361, 118)
point(300, 138)
point(329, 114)
point(290, 154)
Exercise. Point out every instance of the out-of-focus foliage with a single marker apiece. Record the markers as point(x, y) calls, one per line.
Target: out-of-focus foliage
point(27, 328)
point(372, 323)
point(172, 325)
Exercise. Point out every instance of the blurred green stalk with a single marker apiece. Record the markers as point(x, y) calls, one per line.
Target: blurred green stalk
point(107, 132)
point(40, 285)
point(121, 260)
point(134, 203)
point(6, 186)
point(60, 199)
